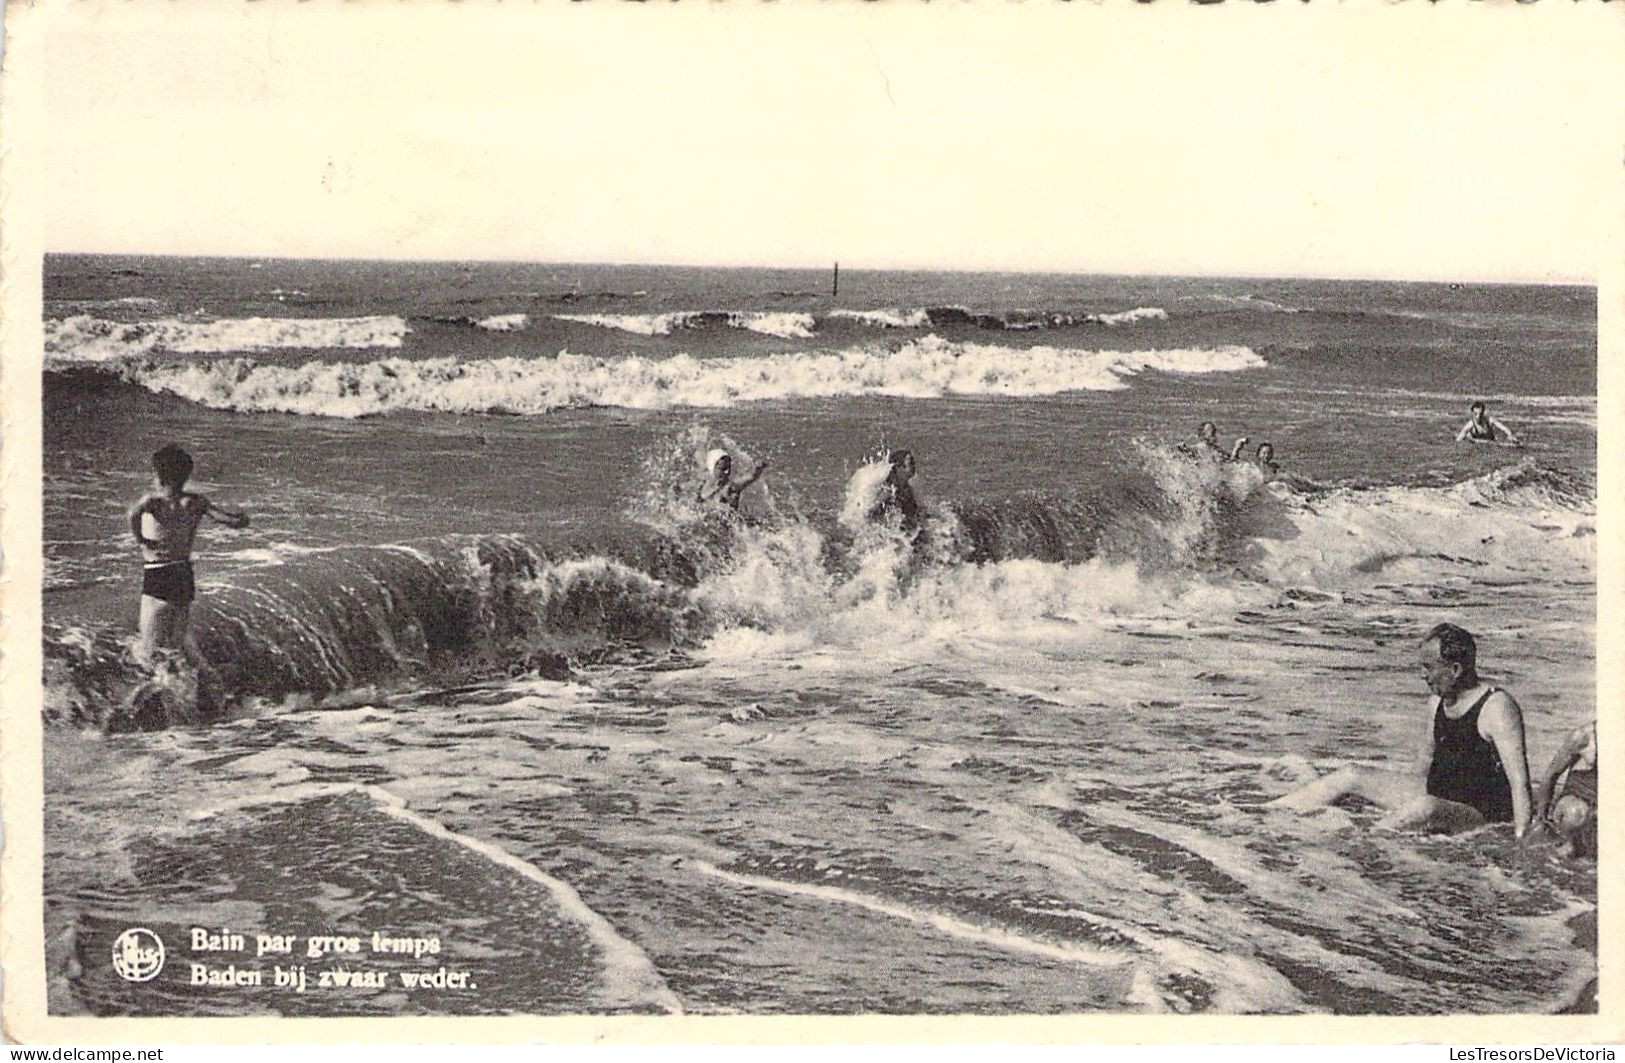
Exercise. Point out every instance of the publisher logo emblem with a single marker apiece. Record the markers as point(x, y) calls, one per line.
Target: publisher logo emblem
point(138, 955)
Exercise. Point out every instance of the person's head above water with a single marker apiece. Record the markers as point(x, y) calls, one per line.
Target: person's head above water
point(1208, 431)
point(720, 464)
point(172, 465)
point(1266, 452)
point(902, 465)
point(1477, 409)
point(1449, 660)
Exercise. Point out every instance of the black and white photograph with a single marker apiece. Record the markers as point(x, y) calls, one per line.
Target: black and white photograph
point(911, 509)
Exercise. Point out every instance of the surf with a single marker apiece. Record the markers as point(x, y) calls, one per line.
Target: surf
point(325, 621)
point(929, 367)
point(84, 338)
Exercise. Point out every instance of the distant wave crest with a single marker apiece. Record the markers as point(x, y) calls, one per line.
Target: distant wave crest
point(924, 368)
point(916, 318)
point(770, 323)
point(84, 338)
point(1013, 320)
point(503, 322)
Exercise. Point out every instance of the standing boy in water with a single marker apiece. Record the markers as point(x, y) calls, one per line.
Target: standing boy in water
point(1471, 768)
point(165, 522)
point(1481, 427)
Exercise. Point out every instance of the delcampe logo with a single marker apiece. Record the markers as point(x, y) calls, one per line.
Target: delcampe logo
point(138, 955)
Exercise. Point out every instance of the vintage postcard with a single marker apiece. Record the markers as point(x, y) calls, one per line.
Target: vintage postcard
point(716, 522)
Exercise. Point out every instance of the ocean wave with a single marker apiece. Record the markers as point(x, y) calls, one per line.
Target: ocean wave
point(126, 302)
point(329, 621)
point(1521, 516)
point(83, 338)
point(916, 318)
point(924, 368)
point(503, 322)
point(1006, 320)
point(1129, 317)
point(490, 323)
point(1256, 302)
point(768, 322)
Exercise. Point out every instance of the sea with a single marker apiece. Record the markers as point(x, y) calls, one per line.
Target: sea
point(483, 672)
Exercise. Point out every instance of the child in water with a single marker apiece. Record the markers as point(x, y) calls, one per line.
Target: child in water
point(164, 522)
point(1572, 815)
point(720, 486)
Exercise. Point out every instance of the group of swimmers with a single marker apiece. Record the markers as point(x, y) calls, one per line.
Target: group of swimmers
point(1471, 767)
point(896, 497)
point(1263, 457)
point(165, 522)
point(1480, 428)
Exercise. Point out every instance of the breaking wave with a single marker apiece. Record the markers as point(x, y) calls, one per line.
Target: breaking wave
point(924, 368)
point(917, 318)
point(461, 608)
point(84, 338)
point(1010, 320)
point(491, 323)
point(770, 323)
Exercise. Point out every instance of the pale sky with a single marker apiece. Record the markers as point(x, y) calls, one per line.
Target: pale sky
point(1412, 141)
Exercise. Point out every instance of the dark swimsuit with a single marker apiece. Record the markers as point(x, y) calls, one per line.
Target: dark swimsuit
point(1466, 768)
point(168, 581)
point(1582, 783)
point(1483, 433)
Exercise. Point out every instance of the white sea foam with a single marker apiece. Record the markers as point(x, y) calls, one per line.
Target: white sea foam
point(1355, 535)
point(1129, 317)
point(787, 326)
point(642, 324)
point(503, 322)
point(630, 978)
point(84, 338)
point(1142, 989)
point(920, 317)
point(771, 323)
point(926, 368)
point(1255, 302)
point(893, 318)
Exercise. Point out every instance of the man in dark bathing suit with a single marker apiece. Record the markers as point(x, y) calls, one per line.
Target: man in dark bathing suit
point(1471, 767)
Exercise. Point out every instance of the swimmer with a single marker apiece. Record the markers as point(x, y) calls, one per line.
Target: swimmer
point(1573, 815)
point(720, 486)
point(1481, 428)
point(165, 522)
point(1264, 458)
point(897, 496)
point(1207, 443)
point(1471, 767)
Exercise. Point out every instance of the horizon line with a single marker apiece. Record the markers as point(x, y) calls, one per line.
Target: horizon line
point(1569, 282)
